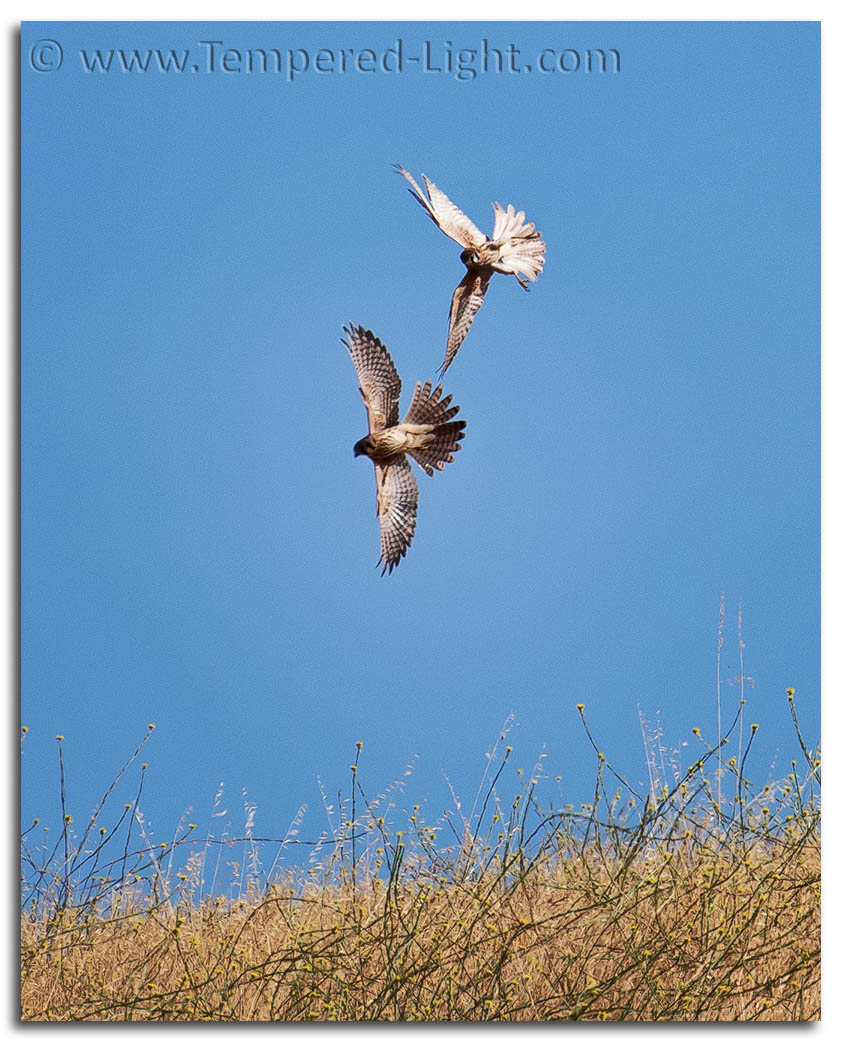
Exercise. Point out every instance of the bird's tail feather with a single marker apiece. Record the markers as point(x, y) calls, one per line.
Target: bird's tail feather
point(436, 454)
point(429, 408)
point(522, 248)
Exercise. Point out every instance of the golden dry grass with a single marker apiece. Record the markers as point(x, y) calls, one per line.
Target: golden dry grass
point(689, 911)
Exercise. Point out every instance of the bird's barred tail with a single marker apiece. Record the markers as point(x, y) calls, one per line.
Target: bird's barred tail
point(428, 407)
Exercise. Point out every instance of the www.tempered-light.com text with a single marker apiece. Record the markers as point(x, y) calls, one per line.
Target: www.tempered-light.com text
point(443, 58)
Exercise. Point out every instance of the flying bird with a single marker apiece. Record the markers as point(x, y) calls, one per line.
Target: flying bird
point(428, 434)
point(515, 248)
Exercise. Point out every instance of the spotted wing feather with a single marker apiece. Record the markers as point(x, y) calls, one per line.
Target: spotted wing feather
point(397, 509)
point(466, 302)
point(444, 213)
point(380, 384)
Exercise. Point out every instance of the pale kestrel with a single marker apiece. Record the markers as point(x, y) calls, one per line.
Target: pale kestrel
point(428, 433)
point(515, 248)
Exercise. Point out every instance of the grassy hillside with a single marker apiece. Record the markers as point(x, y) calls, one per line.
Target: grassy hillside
point(676, 904)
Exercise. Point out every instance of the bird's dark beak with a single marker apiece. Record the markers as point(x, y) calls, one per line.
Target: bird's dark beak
point(359, 448)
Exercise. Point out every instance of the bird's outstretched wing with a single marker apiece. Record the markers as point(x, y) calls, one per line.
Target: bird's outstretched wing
point(380, 384)
point(446, 215)
point(397, 509)
point(466, 302)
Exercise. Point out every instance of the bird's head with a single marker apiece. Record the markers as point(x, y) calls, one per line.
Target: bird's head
point(363, 447)
point(469, 257)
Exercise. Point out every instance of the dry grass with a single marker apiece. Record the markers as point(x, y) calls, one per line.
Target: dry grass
point(669, 906)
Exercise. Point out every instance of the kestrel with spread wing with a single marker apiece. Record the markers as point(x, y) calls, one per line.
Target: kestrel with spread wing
point(428, 434)
point(515, 248)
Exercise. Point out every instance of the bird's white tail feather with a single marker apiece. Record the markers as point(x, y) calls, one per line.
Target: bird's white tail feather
point(509, 224)
point(522, 248)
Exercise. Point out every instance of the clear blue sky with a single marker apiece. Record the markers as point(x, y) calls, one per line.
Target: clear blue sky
point(198, 542)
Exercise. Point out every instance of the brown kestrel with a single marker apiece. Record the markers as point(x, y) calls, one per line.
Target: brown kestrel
point(515, 248)
point(428, 433)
